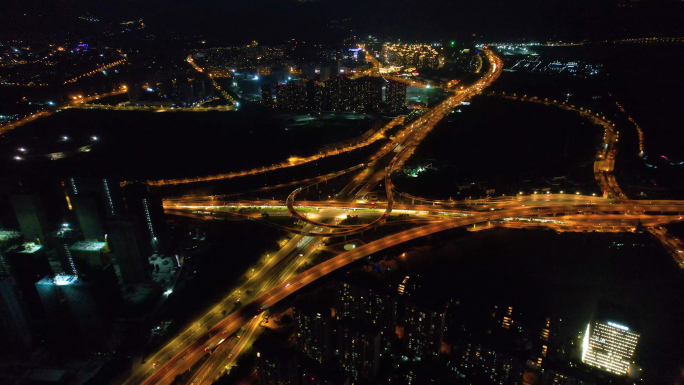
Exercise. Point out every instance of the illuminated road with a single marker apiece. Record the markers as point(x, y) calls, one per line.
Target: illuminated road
point(268, 275)
point(592, 211)
point(566, 212)
point(184, 354)
point(85, 106)
point(673, 245)
point(604, 164)
point(404, 144)
point(45, 113)
point(99, 69)
point(291, 162)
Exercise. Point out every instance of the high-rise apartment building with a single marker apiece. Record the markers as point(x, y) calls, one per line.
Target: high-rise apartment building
point(28, 264)
point(78, 311)
point(313, 373)
point(396, 96)
point(126, 253)
point(314, 332)
point(31, 216)
point(106, 194)
point(368, 93)
point(411, 55)
point(359, 349)
point(374, 306)
point(478, 361)
point(266, 96)
point(15, 333)
point(424, 328)
point(89, 217)
point(89, 255)
point(276, 366)
point(147, 212)
point(291, 96)
point(62, 239)
point(341, 93)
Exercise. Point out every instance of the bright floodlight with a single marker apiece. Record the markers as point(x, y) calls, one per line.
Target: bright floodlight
point(22, 149)
point(95, 138)
point(17, 157)
point(65, 138)
point(256, 77)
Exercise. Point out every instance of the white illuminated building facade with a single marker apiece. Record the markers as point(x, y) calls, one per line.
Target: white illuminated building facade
point(609, 346)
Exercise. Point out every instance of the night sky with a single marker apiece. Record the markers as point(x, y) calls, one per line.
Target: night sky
point(226, 21)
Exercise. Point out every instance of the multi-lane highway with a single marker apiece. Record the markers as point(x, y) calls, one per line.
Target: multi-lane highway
point(179, 355)
point(566, 212)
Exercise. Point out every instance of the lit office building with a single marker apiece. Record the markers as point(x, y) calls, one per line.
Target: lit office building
point(609, 346)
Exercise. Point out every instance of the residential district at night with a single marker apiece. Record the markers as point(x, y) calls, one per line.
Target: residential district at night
point(313, 192)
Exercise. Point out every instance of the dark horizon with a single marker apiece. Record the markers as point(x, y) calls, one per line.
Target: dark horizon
point(240, 22)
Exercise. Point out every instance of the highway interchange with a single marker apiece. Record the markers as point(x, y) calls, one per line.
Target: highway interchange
point(278, 278)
